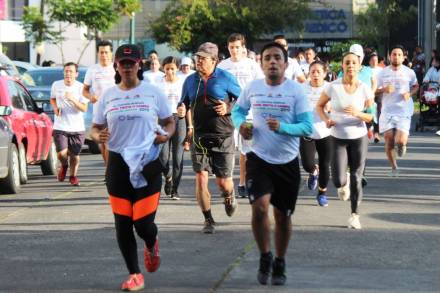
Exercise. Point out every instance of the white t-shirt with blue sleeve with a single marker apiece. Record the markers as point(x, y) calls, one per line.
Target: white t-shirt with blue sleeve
point(131, 116)
point(285, 102)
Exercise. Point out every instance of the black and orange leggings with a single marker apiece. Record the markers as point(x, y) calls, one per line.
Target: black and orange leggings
point(133, 207)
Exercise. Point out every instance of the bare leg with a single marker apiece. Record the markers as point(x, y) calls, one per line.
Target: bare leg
point(261, 223)
point(74, 164)
point(242, 170)
point(62, 157)
point(389, 148)
point(283, 230)
point(203, 195)
point(401, 138)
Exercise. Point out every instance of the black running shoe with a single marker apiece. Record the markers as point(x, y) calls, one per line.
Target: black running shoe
point(264, 269)
point(208, 226)
point(278, 272)
point(364, 181)
point(241, 189)
point(168, 186)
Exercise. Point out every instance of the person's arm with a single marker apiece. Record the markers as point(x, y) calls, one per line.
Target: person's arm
point(99, 133)
point(373, 83)
point(88, 95)
point(168, 125)
point(303, 126)
point(56, 110)
point(320, 108)
point(77, 104)
point(413, 91)
point(238, 116)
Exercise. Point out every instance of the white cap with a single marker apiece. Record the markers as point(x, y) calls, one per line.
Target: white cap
point(186, 61)
point(357, 50)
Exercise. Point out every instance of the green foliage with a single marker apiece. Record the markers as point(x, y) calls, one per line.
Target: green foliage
point(37, 29)
point(383, 23)
point(185, 24)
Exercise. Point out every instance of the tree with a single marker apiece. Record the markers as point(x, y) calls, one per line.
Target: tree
point(97, 15)
point(388, 22)
point(185, 24)
point(38, 30)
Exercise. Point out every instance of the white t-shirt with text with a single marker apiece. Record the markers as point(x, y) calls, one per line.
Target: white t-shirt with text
point(172, 90)
point(283, 102)
point(71, 119)
point(131, 116)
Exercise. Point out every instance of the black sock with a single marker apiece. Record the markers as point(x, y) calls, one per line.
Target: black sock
point(321, 191)
point(207, 215)
point(266, 255)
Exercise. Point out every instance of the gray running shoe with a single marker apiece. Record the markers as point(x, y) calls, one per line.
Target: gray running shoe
point(208, 227)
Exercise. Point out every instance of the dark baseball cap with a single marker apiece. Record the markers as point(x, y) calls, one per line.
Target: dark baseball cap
point(208, 49)
point(128, 52)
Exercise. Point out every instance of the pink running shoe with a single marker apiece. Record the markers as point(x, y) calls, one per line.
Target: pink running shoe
point(135, 282)
point(152, 258)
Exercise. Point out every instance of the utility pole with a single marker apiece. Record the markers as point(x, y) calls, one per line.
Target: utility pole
point(132, 28)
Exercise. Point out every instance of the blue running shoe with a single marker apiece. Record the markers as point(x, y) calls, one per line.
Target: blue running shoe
point(322, 200)
point(312, 182)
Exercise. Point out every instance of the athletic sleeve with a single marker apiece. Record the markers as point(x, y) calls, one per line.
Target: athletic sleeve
point(233, 87)
point(328, 90)
point(303, 125)
point(413, 79)
point(241, 108)
point(81, 98)
point(88, 77)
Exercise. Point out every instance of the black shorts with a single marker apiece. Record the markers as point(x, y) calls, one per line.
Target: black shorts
point(73, 141)
point(214, 155)
point(281, 181)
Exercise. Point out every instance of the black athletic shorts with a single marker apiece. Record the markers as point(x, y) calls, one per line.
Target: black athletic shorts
point(281, 181)
point(73, 141)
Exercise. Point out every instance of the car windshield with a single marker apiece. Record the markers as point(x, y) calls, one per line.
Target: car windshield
point(46, 78)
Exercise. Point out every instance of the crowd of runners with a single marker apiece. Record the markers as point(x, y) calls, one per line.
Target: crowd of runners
point(277, 112)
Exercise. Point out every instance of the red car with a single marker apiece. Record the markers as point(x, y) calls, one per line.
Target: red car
point(31, 128)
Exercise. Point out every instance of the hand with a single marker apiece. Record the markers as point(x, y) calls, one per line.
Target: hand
point(330, 123)
point(68, 96)
point(93, 99)
point(273, 124)
point(57, 111)
point(104, 135)
point(389, 89)
point(246, 130)
point(189, 134)
point(350, 110)
point(406, 96)
point(221, 108)
point(181, 111)
point(160, 138)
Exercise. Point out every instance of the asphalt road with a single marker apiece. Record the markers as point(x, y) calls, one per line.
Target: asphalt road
point(58, 238)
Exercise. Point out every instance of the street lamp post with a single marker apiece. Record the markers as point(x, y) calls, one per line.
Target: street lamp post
point(132, 28)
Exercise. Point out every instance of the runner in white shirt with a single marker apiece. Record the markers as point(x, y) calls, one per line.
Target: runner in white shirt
point(319, 142)
point(310, 56)
point(398, 84)
point(373, 61)
point(185, 68)
point(134, 118)
point(293, 70)
point(154, 74)
point(349, 98)
point(281, 113)
point(98, 79)
point(245, 70)
point(171, 85)
point(69, 104)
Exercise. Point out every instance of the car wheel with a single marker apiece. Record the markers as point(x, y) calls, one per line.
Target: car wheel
point(11, 183)
point(93, 147)
point(23, 164)
point(49, 166)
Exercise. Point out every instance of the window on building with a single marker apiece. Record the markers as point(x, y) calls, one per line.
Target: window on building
point(15, 9)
